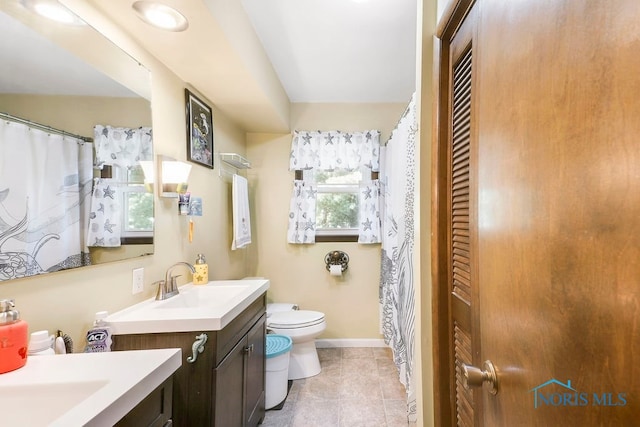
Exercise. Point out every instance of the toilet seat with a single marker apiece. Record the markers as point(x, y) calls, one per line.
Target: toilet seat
point(295, 319)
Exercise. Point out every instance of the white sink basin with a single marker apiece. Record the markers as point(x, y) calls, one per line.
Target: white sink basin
point(82, 389)
point(202, 296)
point(53, 400)
point(196, 308)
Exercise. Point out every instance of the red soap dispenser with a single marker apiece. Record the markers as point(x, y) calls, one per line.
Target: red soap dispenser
point(13, 337)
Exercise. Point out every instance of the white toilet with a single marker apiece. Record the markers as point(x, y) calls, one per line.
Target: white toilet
point(302, 326)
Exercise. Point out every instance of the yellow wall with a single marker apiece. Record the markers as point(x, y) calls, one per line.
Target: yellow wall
point(78, 114)
point(68, 300)
point(427, 13)
point(297, 272)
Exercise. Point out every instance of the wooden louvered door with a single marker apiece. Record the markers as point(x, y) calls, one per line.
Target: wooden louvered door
point(462, 286)
point(462, 283)
point(538, 269)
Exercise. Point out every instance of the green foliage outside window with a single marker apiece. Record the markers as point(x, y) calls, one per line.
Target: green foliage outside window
point(140, 211)
point(337, 210)
point(337, 202)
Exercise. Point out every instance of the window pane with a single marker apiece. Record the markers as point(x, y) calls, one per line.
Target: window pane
point(135, 174)
point(139, 211)
point(337, 210)
point(338, 176)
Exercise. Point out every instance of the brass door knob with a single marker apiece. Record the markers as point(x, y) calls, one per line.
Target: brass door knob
point(476, 377)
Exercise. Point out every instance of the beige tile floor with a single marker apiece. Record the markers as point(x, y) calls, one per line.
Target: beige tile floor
point(358, 387)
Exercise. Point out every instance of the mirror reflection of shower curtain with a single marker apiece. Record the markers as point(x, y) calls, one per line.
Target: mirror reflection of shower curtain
point(45, 180)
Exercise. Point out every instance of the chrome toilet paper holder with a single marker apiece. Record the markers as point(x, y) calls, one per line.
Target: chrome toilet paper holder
point(337, 258)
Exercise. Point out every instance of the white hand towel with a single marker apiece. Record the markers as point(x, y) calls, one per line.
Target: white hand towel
point(241, 214)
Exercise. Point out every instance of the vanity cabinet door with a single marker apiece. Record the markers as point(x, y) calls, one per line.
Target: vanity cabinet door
point(192, 381)
point(255, 374)
point(239, 381)
point(228, 383)
point(153, 411)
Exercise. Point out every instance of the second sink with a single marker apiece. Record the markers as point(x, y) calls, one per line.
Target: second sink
point(202, 296)
point(197, 307)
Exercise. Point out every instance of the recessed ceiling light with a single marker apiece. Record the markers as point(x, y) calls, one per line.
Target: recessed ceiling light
point(160, 16)
point(52, 9)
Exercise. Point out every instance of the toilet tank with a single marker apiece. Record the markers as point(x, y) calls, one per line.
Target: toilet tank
point(277, 307)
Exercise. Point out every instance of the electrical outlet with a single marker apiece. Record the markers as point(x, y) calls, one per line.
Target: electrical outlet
point(138, 280)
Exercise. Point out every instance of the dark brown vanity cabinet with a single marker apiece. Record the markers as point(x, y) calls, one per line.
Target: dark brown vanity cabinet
point(153, 411)
point(225, 385)
point(241, 403)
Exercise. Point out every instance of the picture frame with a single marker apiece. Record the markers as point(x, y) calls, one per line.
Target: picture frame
point(199, 130)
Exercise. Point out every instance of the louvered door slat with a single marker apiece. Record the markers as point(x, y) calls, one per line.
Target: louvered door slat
point(460, 270)
point(464, 169)
point(464, 397)
point(460, 168)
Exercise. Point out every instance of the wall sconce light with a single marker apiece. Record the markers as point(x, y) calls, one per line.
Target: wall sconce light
point(149, 174)
point(173, 176)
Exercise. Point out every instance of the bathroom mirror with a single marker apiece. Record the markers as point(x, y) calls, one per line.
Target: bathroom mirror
point(71, 78)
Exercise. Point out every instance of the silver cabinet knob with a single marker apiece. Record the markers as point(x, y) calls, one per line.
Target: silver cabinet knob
point(476, 377)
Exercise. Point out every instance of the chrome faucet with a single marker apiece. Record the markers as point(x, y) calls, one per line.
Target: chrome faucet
point(168, 287)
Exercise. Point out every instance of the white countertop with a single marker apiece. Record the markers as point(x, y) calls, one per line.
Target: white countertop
point(207, 307)
point(82, 389)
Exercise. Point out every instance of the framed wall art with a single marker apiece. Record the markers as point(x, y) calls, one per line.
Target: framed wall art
point(199, 131)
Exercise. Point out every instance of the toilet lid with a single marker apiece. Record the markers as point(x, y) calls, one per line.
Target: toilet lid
point(295, 319)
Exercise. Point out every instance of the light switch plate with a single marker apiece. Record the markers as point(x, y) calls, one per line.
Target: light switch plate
point(138, 280)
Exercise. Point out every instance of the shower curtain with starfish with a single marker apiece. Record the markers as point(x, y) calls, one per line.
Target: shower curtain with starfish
point(397, 298)
point(45, 183)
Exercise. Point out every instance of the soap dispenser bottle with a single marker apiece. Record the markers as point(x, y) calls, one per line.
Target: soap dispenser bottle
point(201, 276)
point(13, 337)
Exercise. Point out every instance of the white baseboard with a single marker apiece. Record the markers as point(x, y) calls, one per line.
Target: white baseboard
point(350, 342)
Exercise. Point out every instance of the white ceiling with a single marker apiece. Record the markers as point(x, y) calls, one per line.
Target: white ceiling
point(252, 58)
point(30, 63)
point(339, 50)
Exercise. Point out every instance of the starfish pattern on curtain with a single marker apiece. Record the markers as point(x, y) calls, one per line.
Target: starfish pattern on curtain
point(328, 151)
point(121, 148)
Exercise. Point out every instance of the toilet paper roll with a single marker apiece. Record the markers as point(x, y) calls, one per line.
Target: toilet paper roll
point(335, 270)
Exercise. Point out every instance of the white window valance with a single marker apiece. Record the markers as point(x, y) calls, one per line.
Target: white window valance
point(123, 147)
point(335, 150)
